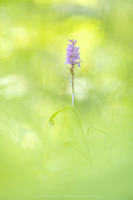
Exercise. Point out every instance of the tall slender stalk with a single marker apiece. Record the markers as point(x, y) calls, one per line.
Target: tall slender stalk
point(73, 60)
point(73, 94)
point(73, 83)
point(73, 106)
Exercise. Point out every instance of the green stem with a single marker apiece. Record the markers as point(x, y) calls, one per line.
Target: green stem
point(72, 83)
point(73, 94)
point(73, 106)
point(82, 131)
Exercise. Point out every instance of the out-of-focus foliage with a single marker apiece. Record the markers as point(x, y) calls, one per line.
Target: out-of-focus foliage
point(34, 84)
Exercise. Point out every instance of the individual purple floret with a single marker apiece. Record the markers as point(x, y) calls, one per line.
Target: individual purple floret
point(72, 55)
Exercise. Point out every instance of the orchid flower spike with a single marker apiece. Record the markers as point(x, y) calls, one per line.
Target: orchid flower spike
point(72, 58)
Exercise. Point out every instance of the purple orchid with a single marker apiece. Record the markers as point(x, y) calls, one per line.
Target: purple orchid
point(72, 55)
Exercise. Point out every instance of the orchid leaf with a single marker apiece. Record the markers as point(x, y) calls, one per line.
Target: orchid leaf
point(51, 121)
point(74, 145)
point(112, 141)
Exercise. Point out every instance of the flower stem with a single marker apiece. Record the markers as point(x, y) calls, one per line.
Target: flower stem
point(73, 94)
point(82, 132)
point(72, 83)
point(73, 106)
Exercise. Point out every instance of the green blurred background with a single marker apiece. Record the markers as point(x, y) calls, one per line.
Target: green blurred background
point(34, 83)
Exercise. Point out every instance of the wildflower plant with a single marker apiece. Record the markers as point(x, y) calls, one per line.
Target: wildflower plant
point(73, 60)
point(72, 55)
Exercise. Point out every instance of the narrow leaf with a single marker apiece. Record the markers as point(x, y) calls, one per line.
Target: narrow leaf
point(70, 71)
point(107, 136)
point(88, 133)
point(51, 121)
point(70, 80)
point(74, 145)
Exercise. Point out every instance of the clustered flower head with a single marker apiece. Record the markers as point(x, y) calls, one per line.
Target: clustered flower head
point(73, 58)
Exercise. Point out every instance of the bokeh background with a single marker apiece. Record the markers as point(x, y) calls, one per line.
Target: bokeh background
point(34, 84)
